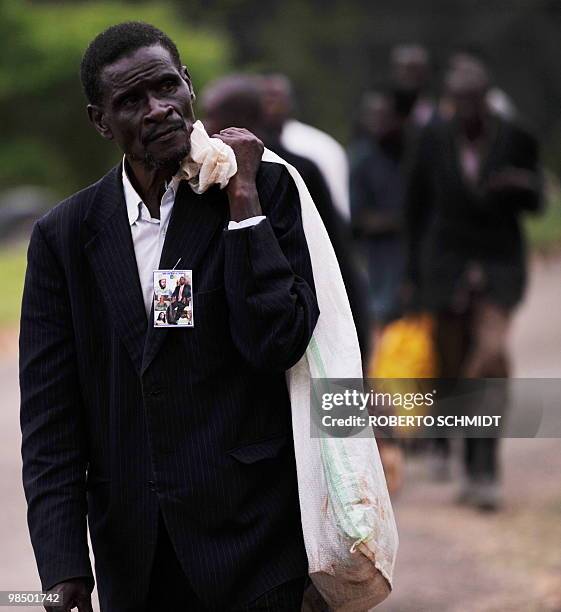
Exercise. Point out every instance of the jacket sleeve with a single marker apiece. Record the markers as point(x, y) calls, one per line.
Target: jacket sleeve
point(269, 283)
point(524, 153)
point(531, 199)
point(53, 443)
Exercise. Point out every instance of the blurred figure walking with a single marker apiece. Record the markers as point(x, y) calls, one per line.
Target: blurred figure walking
point(499, 102)
point(474, 175)
point(307, 141)
point(377, 187)
point(243, 101)
point(410, 73)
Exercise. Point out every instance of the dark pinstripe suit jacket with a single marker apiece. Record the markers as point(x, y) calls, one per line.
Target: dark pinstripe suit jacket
point(119, 418)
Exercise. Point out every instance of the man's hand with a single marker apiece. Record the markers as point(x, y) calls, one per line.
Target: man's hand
point(512, 178)
point(242, 192)
point(74, 593)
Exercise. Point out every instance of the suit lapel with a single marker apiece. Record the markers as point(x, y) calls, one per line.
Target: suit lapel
point(111, 255)
point(194, 221)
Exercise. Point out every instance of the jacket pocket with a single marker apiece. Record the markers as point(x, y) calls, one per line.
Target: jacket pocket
point(259, 451)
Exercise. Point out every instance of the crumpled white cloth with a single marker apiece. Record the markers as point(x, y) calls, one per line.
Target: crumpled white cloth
point(209, 162)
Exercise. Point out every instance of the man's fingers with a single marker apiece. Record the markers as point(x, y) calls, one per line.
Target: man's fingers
point(235, 129)
point(85, 604)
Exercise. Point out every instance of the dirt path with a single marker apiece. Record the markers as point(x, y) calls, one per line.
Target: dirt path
point(457, 560)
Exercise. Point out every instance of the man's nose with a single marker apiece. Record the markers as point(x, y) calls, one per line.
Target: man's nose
point(157, 111)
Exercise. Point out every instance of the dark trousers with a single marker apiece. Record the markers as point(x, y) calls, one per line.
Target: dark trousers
point(472, 345)
point(170, 589)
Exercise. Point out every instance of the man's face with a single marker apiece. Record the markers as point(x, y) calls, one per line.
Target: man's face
point(182, 280)
point(466, 86)
point(146, 107)
point(411, 73)
point(378, 117)
point(469, 102)
point(276, 102)
point(163, 283)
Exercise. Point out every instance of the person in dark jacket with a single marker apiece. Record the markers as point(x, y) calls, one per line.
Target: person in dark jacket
point(175, 445)
point(275, 116)
point(378, 186)
point(182, 290)
point(473, 177)
point(238, 100)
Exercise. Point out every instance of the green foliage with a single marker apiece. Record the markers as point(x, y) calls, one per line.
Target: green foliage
point(47, 138)
point(12, 273)
point(334, 50)
point(544, 231)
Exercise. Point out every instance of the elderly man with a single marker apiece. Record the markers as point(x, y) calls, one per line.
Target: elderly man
point(176, 444)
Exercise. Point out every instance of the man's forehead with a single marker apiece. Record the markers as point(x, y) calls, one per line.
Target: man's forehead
point(142, 64)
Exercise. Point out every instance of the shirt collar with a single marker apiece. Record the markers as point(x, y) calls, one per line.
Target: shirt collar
point(133, 200)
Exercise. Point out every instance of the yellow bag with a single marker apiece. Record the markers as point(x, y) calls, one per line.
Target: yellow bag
point(406, 349)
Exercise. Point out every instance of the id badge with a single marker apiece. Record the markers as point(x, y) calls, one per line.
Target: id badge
point(173, 298)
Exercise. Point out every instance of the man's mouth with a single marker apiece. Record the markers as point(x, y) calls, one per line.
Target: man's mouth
point(164, 132)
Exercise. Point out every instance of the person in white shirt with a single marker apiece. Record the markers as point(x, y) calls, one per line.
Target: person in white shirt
point(308, 141)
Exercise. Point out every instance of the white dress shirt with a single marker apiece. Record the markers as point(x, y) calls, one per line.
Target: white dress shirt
point(148, 234)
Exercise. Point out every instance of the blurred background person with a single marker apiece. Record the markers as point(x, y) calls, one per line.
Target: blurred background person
point(377, 188)
point(244, 101)
point(307, 141)
point(499, 102)
point(410, 72)
point(473, 177)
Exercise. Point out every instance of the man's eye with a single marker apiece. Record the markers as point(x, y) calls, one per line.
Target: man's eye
point(129, 101)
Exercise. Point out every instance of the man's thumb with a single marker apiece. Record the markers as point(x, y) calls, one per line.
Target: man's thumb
point(85, 604)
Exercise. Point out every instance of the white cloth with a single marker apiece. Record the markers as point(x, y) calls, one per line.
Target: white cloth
point(341, 483)
point(327, 154)
point(210, 161)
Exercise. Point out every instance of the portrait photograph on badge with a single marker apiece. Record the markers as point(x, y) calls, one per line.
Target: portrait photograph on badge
point(173, 301)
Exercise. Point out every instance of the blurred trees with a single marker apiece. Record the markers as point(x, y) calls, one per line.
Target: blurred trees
point(336, 49)
point(46, 136)
point(332, 49)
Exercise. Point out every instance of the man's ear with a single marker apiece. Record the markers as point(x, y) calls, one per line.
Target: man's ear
point(185, 74)
point(96, 115)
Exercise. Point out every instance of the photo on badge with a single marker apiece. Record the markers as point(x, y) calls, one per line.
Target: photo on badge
point(173, 298)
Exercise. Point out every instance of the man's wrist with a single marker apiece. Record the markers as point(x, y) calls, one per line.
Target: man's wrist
point(88, 581)
point(244, 201)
